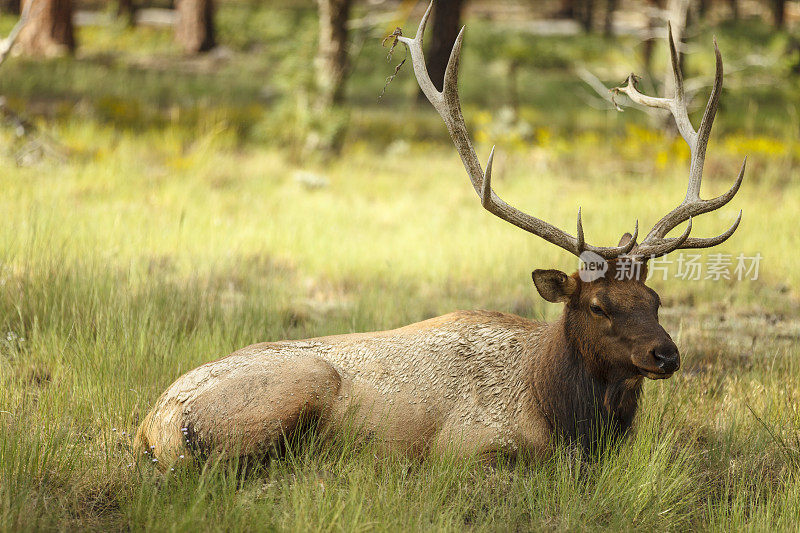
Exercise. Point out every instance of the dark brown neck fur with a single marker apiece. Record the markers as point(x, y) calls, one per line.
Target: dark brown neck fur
point(583, 401)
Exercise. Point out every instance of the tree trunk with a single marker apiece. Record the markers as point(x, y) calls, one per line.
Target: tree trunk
point(331, 62)
point(779, 13)
point(653, 21)
point(10, 7)
point(566, 10)
point(446, 25)
point(608, 23)
point(586, 14)
point(793, 51)
point(734, 9)
point(126, 10)
point(194, 30)
point(49, 30)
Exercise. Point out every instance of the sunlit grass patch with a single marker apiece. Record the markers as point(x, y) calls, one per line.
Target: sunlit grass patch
point(184, 223)
point(122, 271)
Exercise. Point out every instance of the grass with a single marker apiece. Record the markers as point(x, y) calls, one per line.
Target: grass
point(169, 238)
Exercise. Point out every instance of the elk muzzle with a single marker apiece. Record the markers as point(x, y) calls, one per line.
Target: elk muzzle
point(661, 361)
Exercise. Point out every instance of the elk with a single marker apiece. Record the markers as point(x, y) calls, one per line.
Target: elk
point(476, 382)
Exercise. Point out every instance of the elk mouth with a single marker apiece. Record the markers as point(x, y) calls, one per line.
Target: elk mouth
point(654, 373)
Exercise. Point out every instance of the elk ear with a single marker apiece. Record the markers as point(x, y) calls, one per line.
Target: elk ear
point(554, 285)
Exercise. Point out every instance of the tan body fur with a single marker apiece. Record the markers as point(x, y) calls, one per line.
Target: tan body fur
point(461, 381)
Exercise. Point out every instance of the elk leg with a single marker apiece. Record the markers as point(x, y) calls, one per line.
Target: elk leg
point(245, 410)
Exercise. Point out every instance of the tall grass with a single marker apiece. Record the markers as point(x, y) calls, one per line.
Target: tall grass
point(174, 237)
point(120, 274)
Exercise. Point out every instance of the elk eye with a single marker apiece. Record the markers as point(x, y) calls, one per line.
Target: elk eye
point(596, 309)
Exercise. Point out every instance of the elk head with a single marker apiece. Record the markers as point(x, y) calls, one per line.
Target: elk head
point(612, 320)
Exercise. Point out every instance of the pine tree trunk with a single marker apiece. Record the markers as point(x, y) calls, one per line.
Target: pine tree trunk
point(779, 13)
point(126, 10)
point(11, 7)
point(332, 63)
point(734, 4)
point(446, 25)
point(567, 10)
point(586, 14)
point(702, 8)
point(49, 31)
point(195, 27)
point(608, 23)
point(653, 22)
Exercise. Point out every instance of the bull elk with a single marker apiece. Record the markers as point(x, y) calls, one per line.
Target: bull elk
point(477, 382)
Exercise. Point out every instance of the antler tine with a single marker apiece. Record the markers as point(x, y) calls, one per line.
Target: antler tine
point(663, 246)
point(450, 83)
point(447, 104)
point(698, 207)
point(675, 105)
point(414, 46)
point(656, 243)
point(673, 244)
point(632, 242)
point(704, 132)
point(708, 242)
point(678, 102)
point(486, 186)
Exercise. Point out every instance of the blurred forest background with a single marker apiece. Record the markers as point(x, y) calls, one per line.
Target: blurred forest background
point(181, 179)
point(307, 76)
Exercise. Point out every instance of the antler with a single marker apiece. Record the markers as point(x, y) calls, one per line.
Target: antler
point(655, 243)
point(447, 104)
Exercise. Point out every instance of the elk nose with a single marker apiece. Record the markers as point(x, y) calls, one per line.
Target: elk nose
point(667, 357)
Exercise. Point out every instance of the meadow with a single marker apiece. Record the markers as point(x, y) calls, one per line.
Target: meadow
point(178, 212)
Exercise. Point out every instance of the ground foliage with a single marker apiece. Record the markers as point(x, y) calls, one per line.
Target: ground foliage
point(182, 225)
